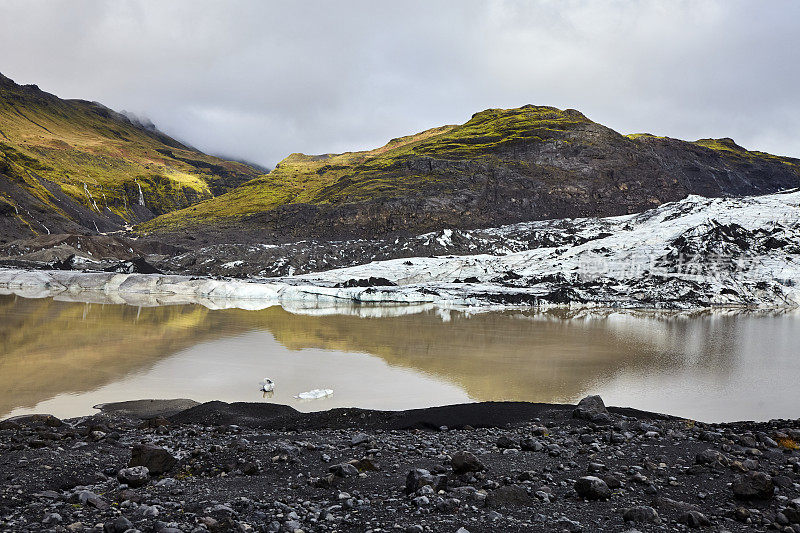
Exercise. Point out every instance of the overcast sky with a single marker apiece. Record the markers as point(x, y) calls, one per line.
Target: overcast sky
point(259, 80)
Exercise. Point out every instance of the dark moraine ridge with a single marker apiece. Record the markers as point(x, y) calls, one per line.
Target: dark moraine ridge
point(503, 466)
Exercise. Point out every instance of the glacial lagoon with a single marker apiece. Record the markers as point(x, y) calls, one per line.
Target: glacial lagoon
point(64, 357)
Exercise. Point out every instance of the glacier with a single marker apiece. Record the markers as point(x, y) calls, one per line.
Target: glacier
point(695, 253)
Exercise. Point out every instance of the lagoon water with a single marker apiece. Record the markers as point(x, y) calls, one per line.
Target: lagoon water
point(65, 357)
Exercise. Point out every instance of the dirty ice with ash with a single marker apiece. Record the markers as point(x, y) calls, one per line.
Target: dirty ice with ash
point(697, 252)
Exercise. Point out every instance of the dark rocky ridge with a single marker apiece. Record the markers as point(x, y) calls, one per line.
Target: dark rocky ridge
point(495, 467)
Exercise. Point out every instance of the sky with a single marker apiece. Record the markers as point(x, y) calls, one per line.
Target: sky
point(258, 80)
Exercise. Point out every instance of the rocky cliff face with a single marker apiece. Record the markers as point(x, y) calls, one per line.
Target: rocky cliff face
point(502, 166)
point(75, 166)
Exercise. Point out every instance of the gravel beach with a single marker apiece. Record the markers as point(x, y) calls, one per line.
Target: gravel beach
point(484, 467)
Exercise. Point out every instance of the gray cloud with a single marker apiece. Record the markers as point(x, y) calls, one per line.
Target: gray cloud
point(260, 80)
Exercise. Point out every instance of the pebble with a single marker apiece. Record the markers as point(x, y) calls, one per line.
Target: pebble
point(641, 513)
point(134, 477)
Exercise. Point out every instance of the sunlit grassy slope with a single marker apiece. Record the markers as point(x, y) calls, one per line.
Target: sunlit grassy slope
point(100, 158)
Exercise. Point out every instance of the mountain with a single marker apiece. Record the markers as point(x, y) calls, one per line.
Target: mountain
point(72, 166)
point(502, 166)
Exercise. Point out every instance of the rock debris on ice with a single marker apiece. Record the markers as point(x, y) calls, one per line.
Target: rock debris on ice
point(697, 252)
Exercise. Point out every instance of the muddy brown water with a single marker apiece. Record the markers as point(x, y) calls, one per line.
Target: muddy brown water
point(65, 357)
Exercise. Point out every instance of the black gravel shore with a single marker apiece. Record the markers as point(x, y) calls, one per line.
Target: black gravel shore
point(486, 467)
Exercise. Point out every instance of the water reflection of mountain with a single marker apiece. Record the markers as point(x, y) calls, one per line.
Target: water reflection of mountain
point(526, 356)
point(50, 347)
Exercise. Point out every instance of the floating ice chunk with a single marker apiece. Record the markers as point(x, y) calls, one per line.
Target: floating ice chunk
point(314, 394)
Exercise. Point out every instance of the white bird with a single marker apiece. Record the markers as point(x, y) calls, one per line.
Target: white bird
point(314, 394)
point(267, 385)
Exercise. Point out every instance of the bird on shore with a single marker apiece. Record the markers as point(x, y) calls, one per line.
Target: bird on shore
point(267, 386)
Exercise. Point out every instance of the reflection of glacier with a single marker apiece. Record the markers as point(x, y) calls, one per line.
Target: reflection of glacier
point(697, 252)
point(694, 334)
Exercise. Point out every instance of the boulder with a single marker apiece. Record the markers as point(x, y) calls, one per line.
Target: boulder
point(418, 478)
point(463, 462)
point(366, 464)
point(31, 420)
point(120, 525)
point(360, 438)
point(710, 457)
point(662, 502)
point(157, 460)
point(592, 409)
point(505, 442)
point(343, 470)
point(51, 519)
point(570, 526)
point(530, 444)
point(592, 488)
point(642, 514)
point(694, 519)
point(508, 495)
point(792, 515)
point(753, 486)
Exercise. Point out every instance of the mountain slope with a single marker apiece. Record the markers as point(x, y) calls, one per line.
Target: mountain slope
point(73, 165)
point(502, 166)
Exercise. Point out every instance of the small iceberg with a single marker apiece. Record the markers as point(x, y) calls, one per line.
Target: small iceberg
point(314, 394)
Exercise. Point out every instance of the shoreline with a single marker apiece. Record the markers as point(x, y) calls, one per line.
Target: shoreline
point(286, 416)
point(479, 414)
point(493, 466)
point(269, 415)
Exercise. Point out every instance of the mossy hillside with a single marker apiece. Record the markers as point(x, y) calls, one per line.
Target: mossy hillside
point(645, 136)
point(162, 192)
point(22, 169)
point(502, 165)
point(725, 144)
point(489, 133)
point(725, 148)
point(101, 158)
point(397, 169)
